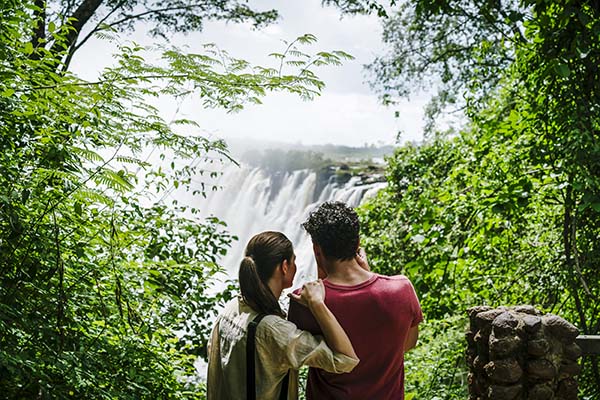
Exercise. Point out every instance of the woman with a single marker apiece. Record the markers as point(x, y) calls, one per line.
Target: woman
point(280, 348)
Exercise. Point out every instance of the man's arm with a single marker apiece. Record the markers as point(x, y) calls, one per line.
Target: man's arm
point(411, 338)
point(361, 259)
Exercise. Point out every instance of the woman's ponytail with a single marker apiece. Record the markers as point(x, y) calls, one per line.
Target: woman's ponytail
point(264, 253)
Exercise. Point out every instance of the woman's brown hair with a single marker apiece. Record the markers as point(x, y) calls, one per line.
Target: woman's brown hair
point(264, 252)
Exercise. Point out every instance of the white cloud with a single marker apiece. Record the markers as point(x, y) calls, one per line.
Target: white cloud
point(340, 118)
point(348, 112)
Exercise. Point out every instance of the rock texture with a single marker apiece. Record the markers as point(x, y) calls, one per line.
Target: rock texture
point(518, 353)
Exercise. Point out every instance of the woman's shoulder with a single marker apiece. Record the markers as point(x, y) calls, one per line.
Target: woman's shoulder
point(275, 322)
point(273, 326)
point(232, 307)
point(235, 313)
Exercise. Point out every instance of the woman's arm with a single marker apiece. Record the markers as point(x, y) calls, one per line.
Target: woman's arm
point(313, 296)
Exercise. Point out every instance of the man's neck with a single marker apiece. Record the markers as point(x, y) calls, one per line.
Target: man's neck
point(346, 272)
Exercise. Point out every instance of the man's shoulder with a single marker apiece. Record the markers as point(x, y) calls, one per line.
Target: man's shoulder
point(297, 310)
point(403, 278)
point(302, 318)
point(394, 283)
point(395, 280)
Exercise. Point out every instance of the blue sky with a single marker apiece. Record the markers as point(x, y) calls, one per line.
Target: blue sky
point(348, 111)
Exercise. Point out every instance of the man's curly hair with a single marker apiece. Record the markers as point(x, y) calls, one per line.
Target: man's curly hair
point(334, 226)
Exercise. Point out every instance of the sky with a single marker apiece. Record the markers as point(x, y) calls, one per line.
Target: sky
point(347, 113)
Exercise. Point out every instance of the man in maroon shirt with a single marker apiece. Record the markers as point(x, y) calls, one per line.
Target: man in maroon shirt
point(380, 314)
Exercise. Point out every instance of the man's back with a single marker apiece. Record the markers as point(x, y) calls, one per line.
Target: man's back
point(377, 315)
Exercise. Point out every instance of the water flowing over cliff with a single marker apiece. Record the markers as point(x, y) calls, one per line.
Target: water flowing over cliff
point(252, 200)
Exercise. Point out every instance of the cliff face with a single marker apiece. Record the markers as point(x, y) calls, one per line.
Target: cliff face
point(342, 173)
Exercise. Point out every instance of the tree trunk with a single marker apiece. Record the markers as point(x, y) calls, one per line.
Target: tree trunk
point(75, 23)
point(39, 33)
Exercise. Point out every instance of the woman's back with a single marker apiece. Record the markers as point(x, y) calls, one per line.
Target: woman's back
point(280, 347)
point(227, 364)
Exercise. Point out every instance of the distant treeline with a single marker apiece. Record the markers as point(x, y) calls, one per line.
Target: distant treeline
point(312, 157)
point(281, 160)
point(348, 153)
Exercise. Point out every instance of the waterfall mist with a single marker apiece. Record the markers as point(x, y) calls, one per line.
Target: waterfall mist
point(251, 200)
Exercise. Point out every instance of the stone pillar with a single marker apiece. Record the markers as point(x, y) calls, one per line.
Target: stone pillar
point(516, 353)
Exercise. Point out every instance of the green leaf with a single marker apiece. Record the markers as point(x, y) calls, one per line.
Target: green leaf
point(77, 208)
point(25, 195)
point(8, 92)
point(28, 48)
point(562, 70)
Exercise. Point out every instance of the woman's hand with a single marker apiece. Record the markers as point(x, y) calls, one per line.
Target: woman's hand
point(311, 294)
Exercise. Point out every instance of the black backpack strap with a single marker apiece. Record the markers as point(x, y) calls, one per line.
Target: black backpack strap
point(284, 387)
point(250, 351)
point(250, 370)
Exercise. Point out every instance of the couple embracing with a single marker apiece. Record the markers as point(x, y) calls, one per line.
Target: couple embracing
point(351, 327)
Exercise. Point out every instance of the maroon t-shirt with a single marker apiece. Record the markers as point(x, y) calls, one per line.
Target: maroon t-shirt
point(377, 315)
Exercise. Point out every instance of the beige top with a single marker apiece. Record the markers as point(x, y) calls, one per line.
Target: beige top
point(280, 347)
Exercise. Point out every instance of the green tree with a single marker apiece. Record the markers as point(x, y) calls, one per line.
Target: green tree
point(105, 280)
point(63, 26)
point(522, 192)
point(458, 49)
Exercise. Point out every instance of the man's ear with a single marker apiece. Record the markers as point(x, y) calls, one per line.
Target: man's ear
point(321, 273)
point(316, 249)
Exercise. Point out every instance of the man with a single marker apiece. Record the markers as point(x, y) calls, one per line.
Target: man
point(380, 314)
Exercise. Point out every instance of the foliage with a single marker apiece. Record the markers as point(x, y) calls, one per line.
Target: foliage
point(457, 218)
point(457, 48)
point(302, 380)
point(353, 7)
point(64, 26)
point(506, 211)
point(106, 281)
point(436, 368)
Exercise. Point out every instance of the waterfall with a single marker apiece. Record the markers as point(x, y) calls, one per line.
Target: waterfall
point(252, 200)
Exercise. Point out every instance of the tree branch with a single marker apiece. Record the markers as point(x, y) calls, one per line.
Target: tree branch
point(98, 28)
point(60, 311)
point(148, 77)
point(148, 12)
point(75, 23)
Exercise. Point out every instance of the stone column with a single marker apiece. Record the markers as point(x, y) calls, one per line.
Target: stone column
point(516, 353)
